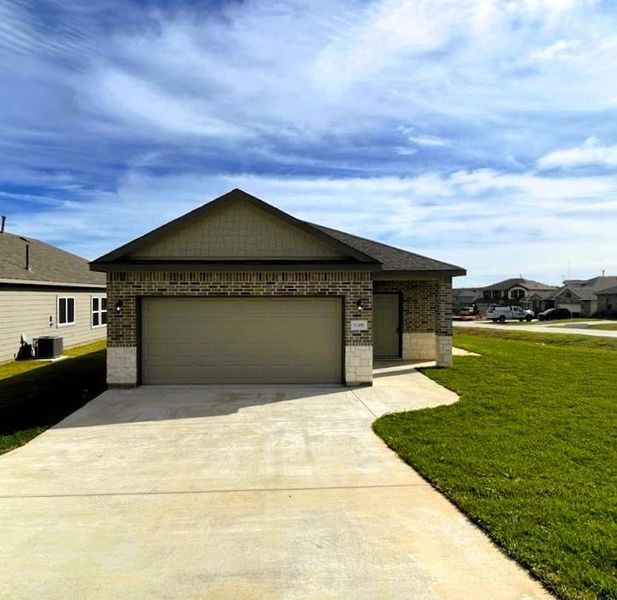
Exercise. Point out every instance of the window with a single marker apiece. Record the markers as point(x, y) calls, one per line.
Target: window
point(517, 293)
point(66, 311)
point(496, 294)
point(99, 311)
point(486, 294)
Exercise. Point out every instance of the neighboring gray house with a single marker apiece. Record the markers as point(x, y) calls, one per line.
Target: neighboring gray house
point(518, 290)
point(607, 302)
point(580, 296)
point(238, 291)
point(47, 291)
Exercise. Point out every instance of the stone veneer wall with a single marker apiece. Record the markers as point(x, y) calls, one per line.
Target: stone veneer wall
point(427, 317)
point(129, 286)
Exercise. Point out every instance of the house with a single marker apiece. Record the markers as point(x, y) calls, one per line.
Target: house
point(45, 291)
point(540, 300)
point(238, 291)
point(607, 302)
point(462, 297)
point(519, 290)
point(580, 296)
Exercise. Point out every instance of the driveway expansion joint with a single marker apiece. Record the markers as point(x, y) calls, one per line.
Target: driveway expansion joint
point(225, 491)
point(363, 403)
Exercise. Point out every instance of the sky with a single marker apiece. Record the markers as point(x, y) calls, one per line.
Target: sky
point(478, 132)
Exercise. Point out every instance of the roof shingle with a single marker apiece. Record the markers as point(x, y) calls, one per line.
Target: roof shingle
point(392, 259)
point(47, 263)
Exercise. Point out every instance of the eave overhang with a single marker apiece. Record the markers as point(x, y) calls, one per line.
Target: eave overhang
point(38, 283)
point(244, 265)
point(420, 274)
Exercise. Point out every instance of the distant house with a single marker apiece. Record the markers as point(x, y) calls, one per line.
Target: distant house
point(581, 297)
point(540, 300)
point(45, 291)
point(525, 292)
point(465, 296)
point(607, 302)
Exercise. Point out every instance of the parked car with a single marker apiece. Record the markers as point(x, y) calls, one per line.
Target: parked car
point(501, 313)
point(554, 313)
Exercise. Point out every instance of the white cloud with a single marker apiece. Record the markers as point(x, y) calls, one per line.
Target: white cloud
point(592, 152)
point(131, 99)
point(557, 50)
point(423, 139)
point(406, 151)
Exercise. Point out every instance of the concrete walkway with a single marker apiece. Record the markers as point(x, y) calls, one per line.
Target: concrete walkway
point(239, 492)
point(571, 328)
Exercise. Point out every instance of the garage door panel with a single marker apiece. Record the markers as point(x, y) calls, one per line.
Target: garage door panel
point(241, 340)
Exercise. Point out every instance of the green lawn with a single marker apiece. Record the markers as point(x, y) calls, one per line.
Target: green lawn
point(529, 453)
point(36, 395)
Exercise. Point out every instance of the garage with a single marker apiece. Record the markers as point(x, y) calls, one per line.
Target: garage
point(241, 340)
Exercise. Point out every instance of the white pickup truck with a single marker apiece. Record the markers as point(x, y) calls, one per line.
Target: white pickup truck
point(501, 313)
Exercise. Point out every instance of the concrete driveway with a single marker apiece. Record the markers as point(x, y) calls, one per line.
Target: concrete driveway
point(239, 492)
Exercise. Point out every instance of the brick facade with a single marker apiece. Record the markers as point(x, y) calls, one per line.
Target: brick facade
point(129, 286)
point(427, 326)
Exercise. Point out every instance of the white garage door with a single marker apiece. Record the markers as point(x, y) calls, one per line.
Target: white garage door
point(575, 309)
point(241, 340)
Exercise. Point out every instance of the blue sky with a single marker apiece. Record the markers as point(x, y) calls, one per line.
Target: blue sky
point(480, 132)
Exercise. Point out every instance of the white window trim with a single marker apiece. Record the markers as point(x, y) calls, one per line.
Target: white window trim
point(511, 293)
point(71, 323)
point(99, 312)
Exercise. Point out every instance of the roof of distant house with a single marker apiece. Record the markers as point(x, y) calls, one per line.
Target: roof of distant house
point(528, 284)
point(29, 261)
point(604, 292)
point(542, 294)
point(587, 289)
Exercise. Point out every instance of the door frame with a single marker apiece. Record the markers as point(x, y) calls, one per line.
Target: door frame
point(400, 320)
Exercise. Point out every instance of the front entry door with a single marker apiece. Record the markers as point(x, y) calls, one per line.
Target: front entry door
point(386, 326)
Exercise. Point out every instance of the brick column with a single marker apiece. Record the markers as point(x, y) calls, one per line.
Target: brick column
point(359, 344)
point(122, 365)
point(443, 323)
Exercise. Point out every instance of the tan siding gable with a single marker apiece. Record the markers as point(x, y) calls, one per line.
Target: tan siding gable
point(238, 231)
